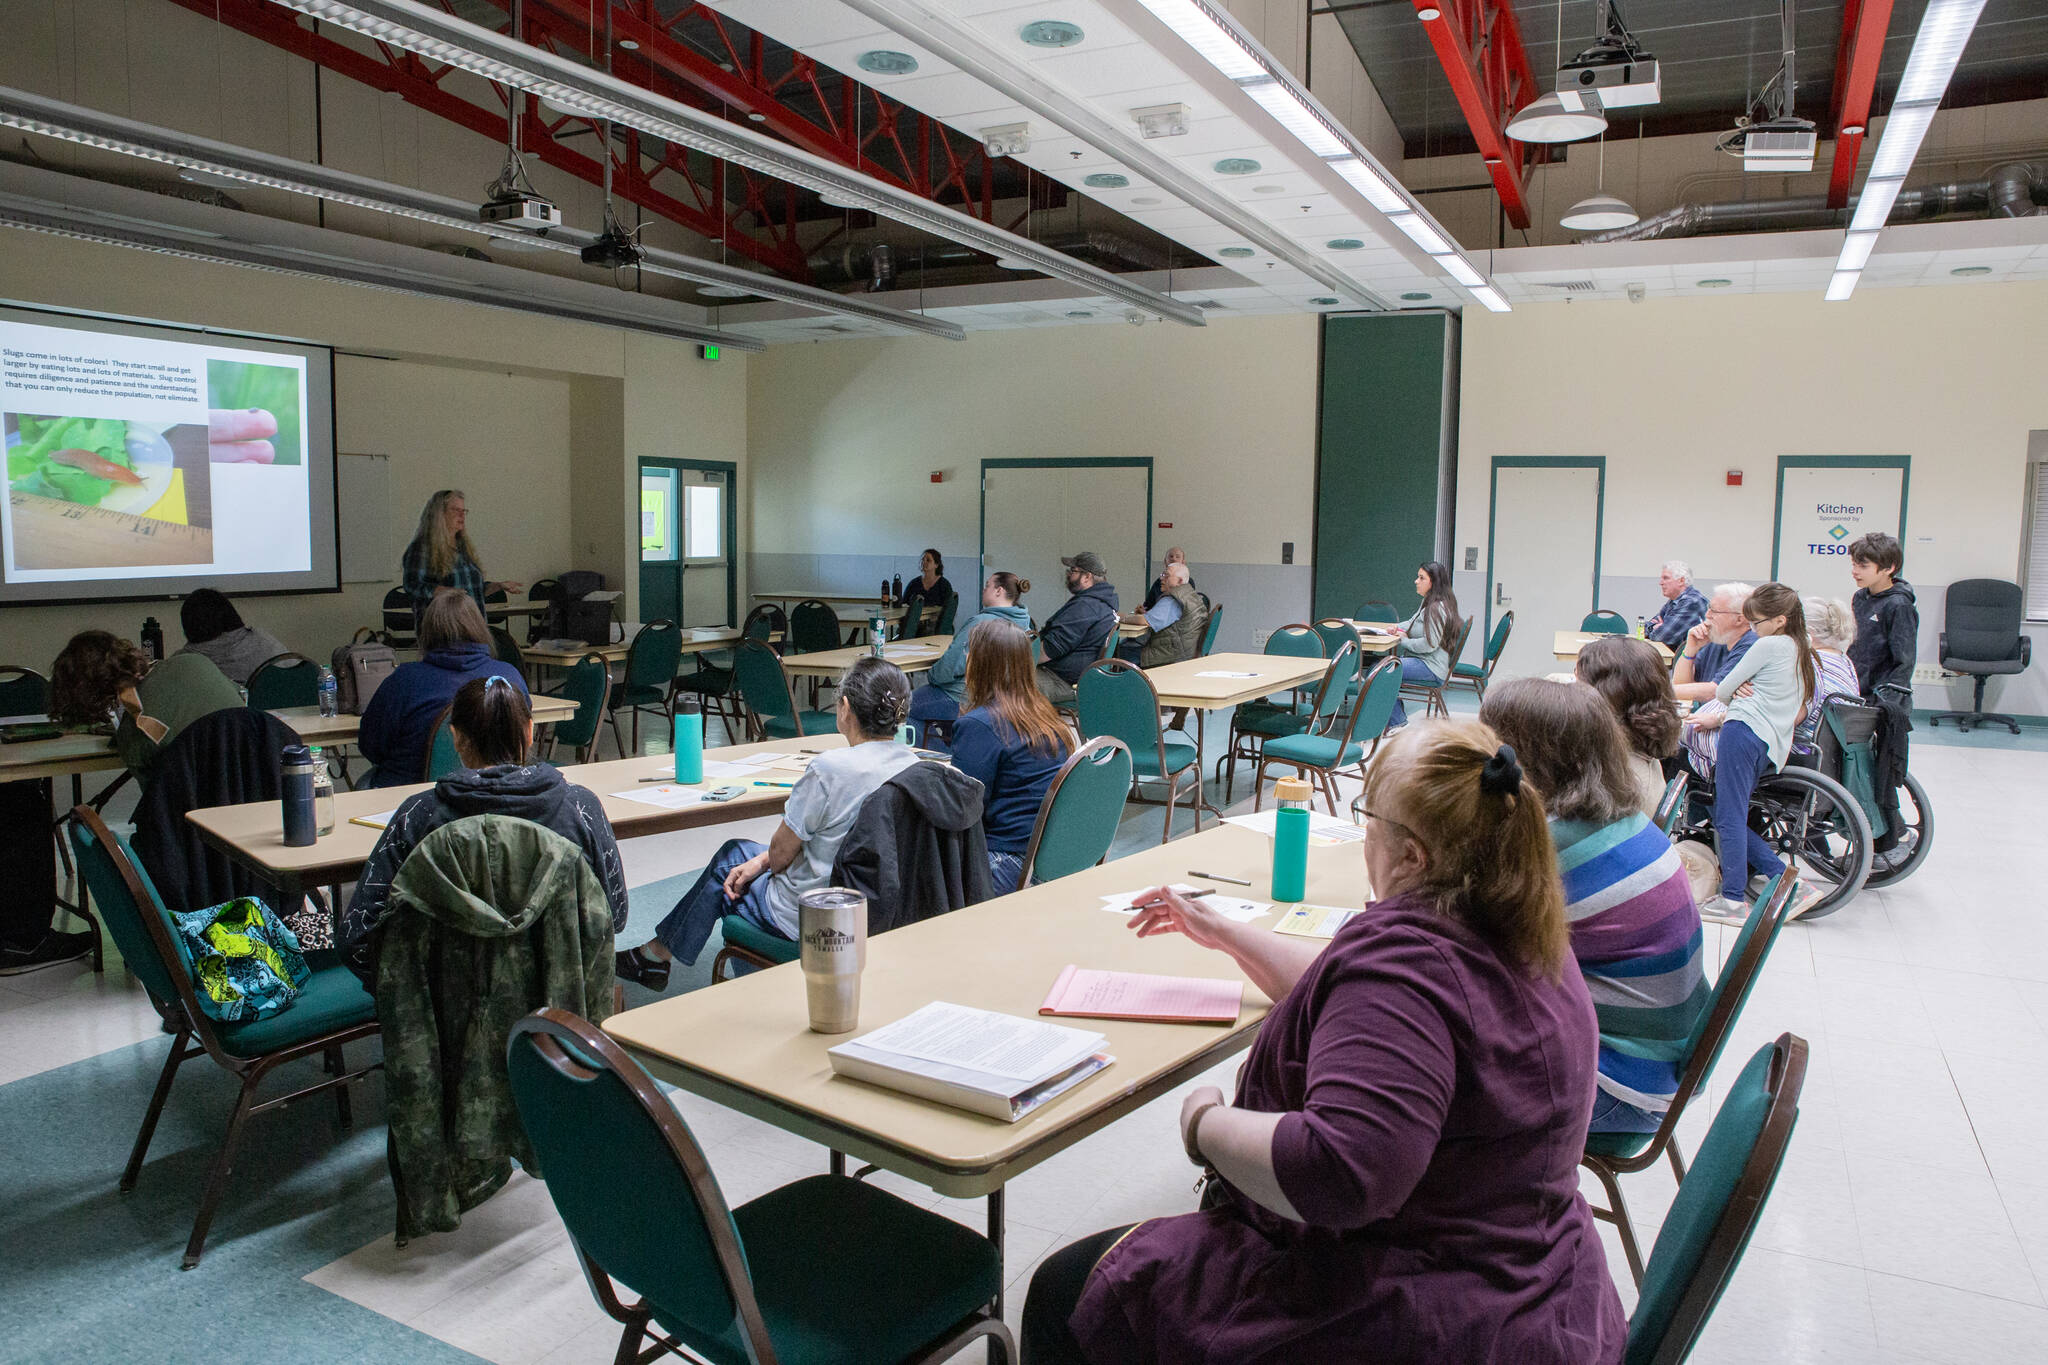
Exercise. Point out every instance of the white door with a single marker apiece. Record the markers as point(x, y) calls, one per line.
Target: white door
point(1035, 514)
point(1545, 527)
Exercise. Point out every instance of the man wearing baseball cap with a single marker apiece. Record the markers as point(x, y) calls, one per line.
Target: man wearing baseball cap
point(1074, 637)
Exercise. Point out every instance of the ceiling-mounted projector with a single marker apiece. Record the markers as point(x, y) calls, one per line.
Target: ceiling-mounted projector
point(528, 211)
point(1610, 80)
point(613, 249)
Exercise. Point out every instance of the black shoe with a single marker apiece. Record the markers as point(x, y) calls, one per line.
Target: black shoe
point(54, 948)
point(631, 966)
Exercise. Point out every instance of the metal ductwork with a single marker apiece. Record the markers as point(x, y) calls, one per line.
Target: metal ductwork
point(875, 264)
point(2018, 189)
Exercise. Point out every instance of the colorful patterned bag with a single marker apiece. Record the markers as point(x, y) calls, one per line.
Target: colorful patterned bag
point(246, 962)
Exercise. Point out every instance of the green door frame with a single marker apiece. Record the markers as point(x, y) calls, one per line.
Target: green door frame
point(1597, 463)
point(730, 471)
point(1902, 463)
point(1059, 462)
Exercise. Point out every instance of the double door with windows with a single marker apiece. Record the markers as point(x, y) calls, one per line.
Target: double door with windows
point(686, 542)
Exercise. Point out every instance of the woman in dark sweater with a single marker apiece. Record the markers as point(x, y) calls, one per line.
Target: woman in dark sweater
point(1010, 740)
point(928, 589)
point(493, 730)
point(398, 724)
point(1398, 1178)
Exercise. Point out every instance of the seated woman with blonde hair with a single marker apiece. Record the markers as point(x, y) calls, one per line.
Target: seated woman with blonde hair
point(1397, 1180)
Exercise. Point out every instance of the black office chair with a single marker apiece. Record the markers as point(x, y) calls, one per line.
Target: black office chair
point(1981, 636)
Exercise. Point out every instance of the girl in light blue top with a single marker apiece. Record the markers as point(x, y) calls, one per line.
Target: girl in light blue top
point(1425, 644)
point(939, 702)
point(1766, 693)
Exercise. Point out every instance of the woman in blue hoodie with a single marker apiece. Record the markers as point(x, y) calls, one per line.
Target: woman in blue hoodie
point(398, 724)
point(941, 700)
point(493, 730)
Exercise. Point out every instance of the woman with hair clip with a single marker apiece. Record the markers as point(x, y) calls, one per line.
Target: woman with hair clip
point(492, 725)
point(1397, 1180)
point(1635, 930)
point(763, 882)
point(940, 700)
point(1011, 741)
point(442, 555)
point(1424, 648)
point(1765, 694)
point(1637, 687)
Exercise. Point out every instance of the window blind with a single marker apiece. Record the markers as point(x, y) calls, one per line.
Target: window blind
point(2037, 541)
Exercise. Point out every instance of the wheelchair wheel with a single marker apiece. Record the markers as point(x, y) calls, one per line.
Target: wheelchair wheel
point(1810, 820)
point(1919, 818)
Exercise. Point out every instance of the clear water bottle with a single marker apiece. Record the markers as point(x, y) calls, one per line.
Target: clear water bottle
point(330, 693)
point(323, 793)
point(1642, 628)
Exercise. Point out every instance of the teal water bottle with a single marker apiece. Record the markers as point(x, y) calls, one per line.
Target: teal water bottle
point(1290, 840)
point(689, 742)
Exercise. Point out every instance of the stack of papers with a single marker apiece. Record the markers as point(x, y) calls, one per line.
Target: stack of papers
point(1094, 994)
point(1231, 907)
point(1328, 829)
point(668, 796)
point(381, 820)
point(993, 1064)
point(1315, 921)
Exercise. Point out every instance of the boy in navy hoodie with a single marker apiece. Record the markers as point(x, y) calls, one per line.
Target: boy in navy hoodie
point(1887, 617)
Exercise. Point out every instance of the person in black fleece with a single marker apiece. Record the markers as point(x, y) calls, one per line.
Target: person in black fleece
point(493, 729)
point(1887, 616)
point(1073, 638)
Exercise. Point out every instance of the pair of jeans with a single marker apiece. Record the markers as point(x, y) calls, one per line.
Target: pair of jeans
point(684, 929)
point(1611, 1115)
point(1002, 871)
point(929, 703)
point(1739, 762)
point(1055, 1288)
point(1412, 671)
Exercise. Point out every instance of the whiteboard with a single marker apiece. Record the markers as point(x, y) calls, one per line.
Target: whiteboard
point(370, 547)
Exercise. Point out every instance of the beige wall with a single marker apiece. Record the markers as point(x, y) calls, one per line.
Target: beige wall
point(1676, 392)
point(537, 420)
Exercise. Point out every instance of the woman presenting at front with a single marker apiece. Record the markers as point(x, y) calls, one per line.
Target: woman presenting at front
point(1398, 1178)
point(443, 556)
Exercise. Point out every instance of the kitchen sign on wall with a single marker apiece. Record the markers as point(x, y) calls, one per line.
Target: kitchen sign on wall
point(1824, 503)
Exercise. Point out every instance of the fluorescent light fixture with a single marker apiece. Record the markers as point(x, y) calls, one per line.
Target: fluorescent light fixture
point(1491, 298)
point(1422, 232)
point(587, 93)
point(1461, 270)
point(231, 164)
point(1944, 31)
point(1842, 285)
point(1197, 25)
point(1366, 178)
point(1874, 205)
point(1856, 251)
point(1904, 128)
point(1296, 117)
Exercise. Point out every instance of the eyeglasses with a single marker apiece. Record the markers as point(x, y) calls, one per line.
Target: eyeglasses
point(1381, 819)
point(1723, 611)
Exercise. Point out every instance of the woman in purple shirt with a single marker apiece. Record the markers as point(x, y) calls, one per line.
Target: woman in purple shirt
point(1398, 1178)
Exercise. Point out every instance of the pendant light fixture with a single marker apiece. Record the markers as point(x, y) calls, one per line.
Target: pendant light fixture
point(1545, 118)
point(1601, 210)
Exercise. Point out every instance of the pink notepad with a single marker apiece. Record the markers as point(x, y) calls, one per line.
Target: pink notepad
point(1091, 994)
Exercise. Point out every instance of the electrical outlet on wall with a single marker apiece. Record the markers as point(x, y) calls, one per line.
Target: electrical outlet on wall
point(1260, 634)
point(1932, 673)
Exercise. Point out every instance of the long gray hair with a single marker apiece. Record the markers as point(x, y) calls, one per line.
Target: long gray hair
point(442, 547)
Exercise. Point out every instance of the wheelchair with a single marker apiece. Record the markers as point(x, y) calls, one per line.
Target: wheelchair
point(1819, 811)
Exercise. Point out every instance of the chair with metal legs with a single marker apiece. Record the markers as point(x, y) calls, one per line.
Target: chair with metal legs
point(332, 1011)
point(1115, 698)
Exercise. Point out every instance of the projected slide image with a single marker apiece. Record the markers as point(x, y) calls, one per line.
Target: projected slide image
point(255, 413)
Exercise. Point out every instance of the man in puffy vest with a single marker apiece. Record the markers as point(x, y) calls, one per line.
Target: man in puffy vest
point(1175, 623)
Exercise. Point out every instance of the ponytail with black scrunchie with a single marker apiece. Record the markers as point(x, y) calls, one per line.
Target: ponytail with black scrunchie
point(1502, 774)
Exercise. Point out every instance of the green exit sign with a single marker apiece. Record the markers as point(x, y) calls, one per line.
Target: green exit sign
point(708, 352)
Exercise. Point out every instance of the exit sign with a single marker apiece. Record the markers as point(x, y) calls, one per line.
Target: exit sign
point(707, 352)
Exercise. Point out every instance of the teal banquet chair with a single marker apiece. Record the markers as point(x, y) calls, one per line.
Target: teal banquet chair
point(1670, 804)
point(505, 649)
point(1477, 676)
point(1115, 698)
point(1253, 723)
point(1336, 632)
point(651, 663)
point(586, 685)
point(1330, 743)
point(828, 1270)
point(1432, 694)
point(441, 756)
point(1077, 819)
point(711, 675)
point(284, 680)
point(1380, 613)
point(763, 684)
point(331, 1012)
point(1210, 629)
point(1610, 1156)
point(1603, 621)
point(1719, 1204)
point(813, 627)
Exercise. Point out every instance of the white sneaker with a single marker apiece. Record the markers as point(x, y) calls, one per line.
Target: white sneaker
point(1804, 898)
point(1725, 910)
